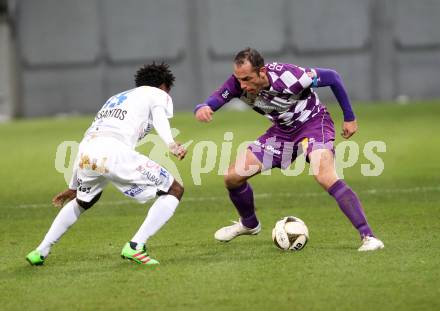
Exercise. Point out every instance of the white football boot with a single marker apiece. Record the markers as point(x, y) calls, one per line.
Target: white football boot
point(370, 243)
point(228, 233)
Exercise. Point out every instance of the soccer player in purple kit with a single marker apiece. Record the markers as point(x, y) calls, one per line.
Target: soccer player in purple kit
point(300, 123)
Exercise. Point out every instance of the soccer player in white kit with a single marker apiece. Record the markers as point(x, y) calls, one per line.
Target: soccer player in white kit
point(107, 154)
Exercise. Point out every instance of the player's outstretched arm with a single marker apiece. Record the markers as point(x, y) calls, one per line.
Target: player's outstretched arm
point(162, 127)
point(204, 114)
point(230, 89)
point(63, 197)
point(328, 77)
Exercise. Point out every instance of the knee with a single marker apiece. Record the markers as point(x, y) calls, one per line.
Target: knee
point(233, 180)
point(176, 190)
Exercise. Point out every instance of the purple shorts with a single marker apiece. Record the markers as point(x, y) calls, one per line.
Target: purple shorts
point(277, 148)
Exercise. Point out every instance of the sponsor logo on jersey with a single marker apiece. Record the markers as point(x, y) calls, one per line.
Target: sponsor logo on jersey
point(275, 66)
point(225, 94)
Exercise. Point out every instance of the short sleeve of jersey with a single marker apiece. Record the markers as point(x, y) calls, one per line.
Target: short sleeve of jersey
point(313, 75)
point(161, 98)
point(288, 78)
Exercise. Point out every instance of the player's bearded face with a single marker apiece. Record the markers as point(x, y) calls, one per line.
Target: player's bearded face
point(251, 80)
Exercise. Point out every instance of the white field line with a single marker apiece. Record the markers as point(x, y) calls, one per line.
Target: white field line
point(265, 195)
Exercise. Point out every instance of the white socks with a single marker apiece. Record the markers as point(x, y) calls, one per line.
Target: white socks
point(68, 215)
point(160, 212)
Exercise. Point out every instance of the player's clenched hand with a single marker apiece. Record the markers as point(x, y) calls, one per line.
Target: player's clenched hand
point(204, 114)
point(178, 150)
point(349, 128)
point(63, 197)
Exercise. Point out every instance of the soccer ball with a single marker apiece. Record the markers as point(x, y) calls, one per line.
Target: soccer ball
point(290, 233)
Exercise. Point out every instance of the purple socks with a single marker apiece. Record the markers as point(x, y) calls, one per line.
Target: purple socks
point(350, 205)
point(243, 199)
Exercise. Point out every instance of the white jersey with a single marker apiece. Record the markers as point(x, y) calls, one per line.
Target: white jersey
point(127, 116)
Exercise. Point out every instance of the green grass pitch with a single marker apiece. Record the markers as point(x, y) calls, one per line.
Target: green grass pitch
point(85, 271)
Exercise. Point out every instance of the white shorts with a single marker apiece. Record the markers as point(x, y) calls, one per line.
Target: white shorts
point(104, 159)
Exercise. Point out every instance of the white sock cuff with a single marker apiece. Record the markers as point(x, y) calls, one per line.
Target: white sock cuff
point(168, 199)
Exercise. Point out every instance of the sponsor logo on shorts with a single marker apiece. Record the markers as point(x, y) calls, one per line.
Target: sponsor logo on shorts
point(84, 189)
point(267, 148)
point(164, 173)
point(150, 176)
point(86, 163)
point(152, 164)
point(133, 191)
point(153, 178)
point(81, 187)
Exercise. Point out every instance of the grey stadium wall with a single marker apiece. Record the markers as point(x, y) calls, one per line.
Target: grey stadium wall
point(72, 57)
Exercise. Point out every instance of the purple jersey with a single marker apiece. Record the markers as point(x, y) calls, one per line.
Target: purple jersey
point(288, 102)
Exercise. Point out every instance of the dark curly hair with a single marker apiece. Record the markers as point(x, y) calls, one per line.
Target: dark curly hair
point(154, 75)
